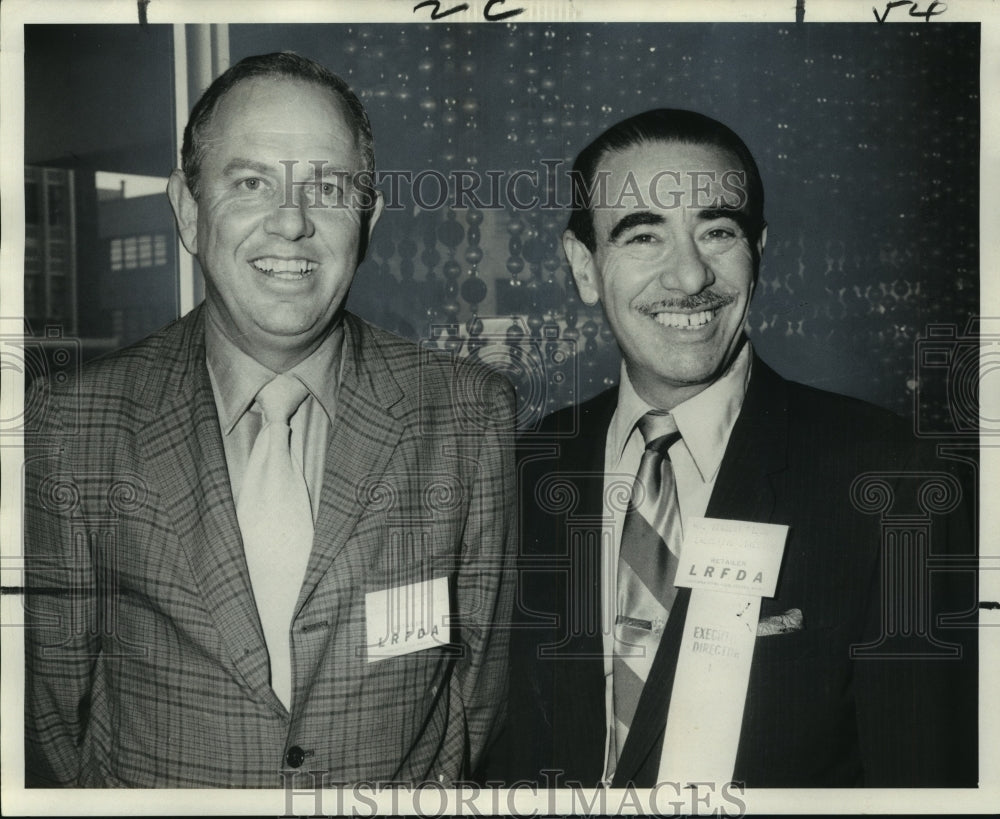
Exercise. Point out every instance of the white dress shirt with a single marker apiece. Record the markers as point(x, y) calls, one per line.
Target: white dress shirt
point(237, 378)
point(705, 423)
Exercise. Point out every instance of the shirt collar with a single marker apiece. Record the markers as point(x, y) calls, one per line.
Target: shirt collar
point(704, 421)
point(238, 377)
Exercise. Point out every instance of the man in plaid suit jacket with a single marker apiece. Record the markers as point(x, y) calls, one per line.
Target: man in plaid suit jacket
point(146, 659)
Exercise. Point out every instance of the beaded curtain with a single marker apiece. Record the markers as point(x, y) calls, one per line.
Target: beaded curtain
point(867, 141)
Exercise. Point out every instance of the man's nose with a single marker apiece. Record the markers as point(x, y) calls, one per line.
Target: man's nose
point(292, 217)
point(685, 268)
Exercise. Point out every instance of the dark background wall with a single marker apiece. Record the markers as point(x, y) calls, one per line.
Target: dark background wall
point(866, 135)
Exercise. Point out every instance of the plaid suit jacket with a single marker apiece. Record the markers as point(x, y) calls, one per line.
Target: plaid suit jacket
point(146, 664)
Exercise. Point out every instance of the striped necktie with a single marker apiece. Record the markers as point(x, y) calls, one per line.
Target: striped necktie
point(647, 564)
point(276, 521)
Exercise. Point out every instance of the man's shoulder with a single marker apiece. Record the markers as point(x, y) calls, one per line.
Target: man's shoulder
point(131, 372)
point(570, 439)
point(429, 375)
point(154, 354)
point(810, 410)
point(815, 423)
point(118, 392)
point(588, 418)
point(840, 414)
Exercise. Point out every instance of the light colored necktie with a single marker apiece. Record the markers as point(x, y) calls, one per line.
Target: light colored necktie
point(647, 565)
point(276, 520)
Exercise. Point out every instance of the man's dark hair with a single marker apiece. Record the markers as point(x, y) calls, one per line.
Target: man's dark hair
point(284, 65)
point(662, 125)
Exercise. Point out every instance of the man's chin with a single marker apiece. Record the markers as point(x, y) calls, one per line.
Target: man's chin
point(683, 375)
point(294, 328)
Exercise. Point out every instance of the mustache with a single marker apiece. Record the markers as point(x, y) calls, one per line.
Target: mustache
point(708, 300)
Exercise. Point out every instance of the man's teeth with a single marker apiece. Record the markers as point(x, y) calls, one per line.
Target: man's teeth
point(285, 268)
point(684, 320)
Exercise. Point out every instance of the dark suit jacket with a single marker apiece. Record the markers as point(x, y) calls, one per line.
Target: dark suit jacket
point(146, 664)
point(825, 465)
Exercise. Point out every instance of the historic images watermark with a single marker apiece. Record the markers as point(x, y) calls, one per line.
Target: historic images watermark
point(310, 793)
point(545, 188)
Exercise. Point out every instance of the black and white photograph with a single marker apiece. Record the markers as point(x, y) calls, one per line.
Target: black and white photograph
point(499, 407)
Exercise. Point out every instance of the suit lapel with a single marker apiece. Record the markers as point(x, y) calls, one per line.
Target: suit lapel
point(182, 445)
point(756, 451)
point(579, 725)
point(586, 465)
point(363, 437)
point(645, 736)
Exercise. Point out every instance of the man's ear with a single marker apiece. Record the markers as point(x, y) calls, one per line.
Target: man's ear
point(581, 262)
point(368, 220)
point(376, 213)
point(761, 241)
point(185, 210)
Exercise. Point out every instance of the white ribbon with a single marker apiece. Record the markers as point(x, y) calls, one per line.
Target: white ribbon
point(729, 565)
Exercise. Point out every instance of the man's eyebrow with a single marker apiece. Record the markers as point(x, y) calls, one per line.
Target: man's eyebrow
point(326, 170)
point(239, 164)
point(741, 217)
point(707, 214)
point(631, 220)
point(333, 172)
point(318, 169)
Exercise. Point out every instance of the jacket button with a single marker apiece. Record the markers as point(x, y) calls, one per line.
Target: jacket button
point(295, 756)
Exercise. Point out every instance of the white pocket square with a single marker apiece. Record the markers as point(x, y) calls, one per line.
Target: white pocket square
point(791, 620)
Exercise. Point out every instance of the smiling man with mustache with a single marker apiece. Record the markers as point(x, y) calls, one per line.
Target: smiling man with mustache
point(675, 278)
point(667, 234)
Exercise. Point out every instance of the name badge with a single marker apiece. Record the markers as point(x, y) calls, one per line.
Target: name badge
point(407, 618)
point(729, 565)
point(734, 556)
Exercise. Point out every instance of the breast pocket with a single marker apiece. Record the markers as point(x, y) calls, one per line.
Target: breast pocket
point(795, 645)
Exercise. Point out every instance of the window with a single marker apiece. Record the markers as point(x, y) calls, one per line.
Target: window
point(57, 205)
point(145, 251)
point(131, 253)
point(159, 249)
